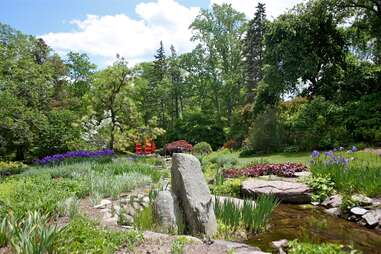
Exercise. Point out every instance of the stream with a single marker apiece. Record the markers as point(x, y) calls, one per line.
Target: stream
point(311, 224)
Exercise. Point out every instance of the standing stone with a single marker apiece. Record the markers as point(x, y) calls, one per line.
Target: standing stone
point(167, 212)
point(189, 185)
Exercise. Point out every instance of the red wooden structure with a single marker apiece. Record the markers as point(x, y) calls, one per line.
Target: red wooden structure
point(149, 148)
point(138, 149)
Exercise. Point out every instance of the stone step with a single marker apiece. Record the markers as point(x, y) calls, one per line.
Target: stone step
point(287, 192)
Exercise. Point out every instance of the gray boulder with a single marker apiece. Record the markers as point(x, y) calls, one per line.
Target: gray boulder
point(287, 192)
point(333, 201)
point(167, 212)
point(189, 185)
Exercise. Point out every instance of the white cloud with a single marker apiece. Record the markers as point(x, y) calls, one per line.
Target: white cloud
point(273, 7)
point(102, 37)
point(135, 39)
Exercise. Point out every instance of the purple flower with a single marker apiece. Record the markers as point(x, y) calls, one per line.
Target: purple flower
point(74, 154)
point(354, 149)
point(315, 154)
point(329, 154)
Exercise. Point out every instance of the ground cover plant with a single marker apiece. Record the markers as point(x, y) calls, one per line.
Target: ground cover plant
point(54, 191)
point(286, 170)
point(350, 171)
point(296, 247)
point(85, 236)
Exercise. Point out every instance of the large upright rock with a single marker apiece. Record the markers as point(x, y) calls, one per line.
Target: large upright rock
point(167, 212)
point(190, 187)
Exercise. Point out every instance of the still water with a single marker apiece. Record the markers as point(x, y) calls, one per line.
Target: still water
point(312, 224)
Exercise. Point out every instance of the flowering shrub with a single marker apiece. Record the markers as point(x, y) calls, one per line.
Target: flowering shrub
point(51, 159)
point(179, 146)
point(286, 170)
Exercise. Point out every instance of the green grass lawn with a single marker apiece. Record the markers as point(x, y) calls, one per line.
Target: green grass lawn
point(300, 157)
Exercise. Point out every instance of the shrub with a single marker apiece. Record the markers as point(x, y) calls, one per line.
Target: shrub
point(202, 148)
point(230, 187)
point(231, 144)
point(180, 146)
point(11, 167)
point(32, 234)
point(266, 134)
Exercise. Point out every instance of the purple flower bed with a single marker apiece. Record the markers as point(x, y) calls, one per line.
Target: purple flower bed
point(285, 170)
point(51, 159)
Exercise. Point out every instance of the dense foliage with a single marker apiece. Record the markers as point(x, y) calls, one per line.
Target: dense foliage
point(309, 79)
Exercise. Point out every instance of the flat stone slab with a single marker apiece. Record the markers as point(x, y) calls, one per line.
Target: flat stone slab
point(358, 211)
point(287, 192)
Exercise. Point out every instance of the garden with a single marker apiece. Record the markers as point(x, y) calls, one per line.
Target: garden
point(264, 137)
point(102, 202)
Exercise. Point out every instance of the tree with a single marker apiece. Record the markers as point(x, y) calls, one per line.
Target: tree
point(366, 16)
point(80, 72)
point(305, 52)
point(110, 97)
point(219, 33)
point(254, 48)
point(176, 95)
point(33, 98)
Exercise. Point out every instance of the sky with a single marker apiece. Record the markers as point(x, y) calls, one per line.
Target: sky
point(130, 28)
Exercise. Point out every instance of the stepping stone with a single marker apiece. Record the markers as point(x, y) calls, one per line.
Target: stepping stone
point(358, 211)
point(370, 218)
point(287, 192)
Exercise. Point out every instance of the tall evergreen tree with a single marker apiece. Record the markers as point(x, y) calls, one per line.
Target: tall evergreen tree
point(175, 75)
point(254, 50)
point(160, 84)
point(160, 63)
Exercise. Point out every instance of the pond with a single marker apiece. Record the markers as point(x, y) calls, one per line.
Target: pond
point(311, 224)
